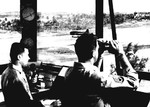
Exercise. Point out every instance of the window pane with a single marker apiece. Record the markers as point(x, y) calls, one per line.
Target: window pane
point(9, 27)
point(56, 19)
point(132, 21)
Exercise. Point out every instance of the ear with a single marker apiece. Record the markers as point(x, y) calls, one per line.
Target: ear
point(19, 57)
point(93, 53)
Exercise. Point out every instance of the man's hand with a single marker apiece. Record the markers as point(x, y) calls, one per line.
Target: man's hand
point(115, 47)
point(103, 45)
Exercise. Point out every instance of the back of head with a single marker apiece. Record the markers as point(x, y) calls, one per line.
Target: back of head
point(84, 46)
point(16, 49)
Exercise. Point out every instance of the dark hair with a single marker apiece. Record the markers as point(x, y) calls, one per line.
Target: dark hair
point(84, 46)
point(16, 49)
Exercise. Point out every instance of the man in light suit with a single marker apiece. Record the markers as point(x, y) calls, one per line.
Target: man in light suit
point(14, 83)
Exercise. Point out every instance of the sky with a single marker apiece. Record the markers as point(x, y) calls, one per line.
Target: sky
point(9, 5)
point(79, 6)
point(129, 6)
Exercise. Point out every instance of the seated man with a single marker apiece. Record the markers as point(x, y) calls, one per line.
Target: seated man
point(15, 87)
point(14, 83)
point(85, 81)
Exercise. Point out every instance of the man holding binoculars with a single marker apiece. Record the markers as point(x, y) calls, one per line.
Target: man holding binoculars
point(86, 78)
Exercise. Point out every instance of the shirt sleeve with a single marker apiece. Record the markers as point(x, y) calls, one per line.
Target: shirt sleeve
point(129, 77)
point(114, 81)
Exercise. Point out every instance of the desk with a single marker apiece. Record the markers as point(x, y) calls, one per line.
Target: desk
point(42, 92)
point(144, 86)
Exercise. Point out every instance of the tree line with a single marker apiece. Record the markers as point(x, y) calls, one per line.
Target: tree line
point(72, 21)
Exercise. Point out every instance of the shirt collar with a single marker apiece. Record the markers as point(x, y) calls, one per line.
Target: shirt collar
point(83, 64)
point(18, 68)
point(86, 66)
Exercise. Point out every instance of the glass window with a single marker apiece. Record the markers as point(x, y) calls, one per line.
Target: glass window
point(9, 27)
point(132, 22)
point(57, 18)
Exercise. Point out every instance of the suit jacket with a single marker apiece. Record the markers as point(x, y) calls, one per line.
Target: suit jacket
point(15, 88)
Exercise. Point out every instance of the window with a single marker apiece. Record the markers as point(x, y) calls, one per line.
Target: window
point(9, 27)
point(132, 20)
point(56, 19)
point(132, 26)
